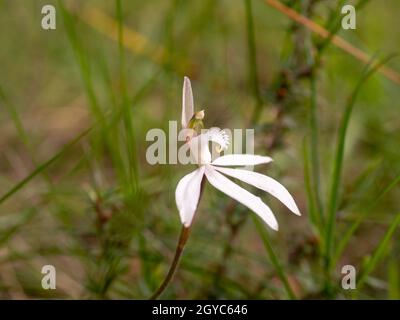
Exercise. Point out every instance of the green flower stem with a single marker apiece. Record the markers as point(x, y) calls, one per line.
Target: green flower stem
point(184, 236)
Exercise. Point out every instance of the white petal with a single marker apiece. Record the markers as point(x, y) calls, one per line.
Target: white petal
point(199, 150)
point(187, 102)
point(240, 160)
point(243, 196)
point(187, 195)
point(265, 183)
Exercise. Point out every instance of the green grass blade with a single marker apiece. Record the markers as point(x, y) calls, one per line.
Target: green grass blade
point(353, 228)
point(252, 61)
point(127, 116)
point(393, 280)
point(114, 118)
point(24, 219)
point(314, 148)
point(22, 133)
point(333, 199)
point(83, 62)
point(274, 259)
point(338, 162)
point(39, 169)
point(12, 110)
point(110, 135)
point(379, 252)
point(312, 208)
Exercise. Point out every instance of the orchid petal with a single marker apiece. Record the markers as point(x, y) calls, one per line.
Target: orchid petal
point(265, 183)
point(187, 102)
point(243, 196)
point(240, 160)
point(187, 195)
point(199, 150)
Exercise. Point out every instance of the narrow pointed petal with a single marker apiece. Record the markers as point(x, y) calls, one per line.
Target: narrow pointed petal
point(187, 102)
point(243, 196)
point(240, 160)
point(265, 183)
point(187, 195)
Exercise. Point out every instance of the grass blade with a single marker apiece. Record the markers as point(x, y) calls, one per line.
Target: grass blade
point(379, 251)
point(314, 148)
point(252, 61)
point(337, 168)
point(312, 207)
point(127, 116)
point(353, 228)
point(114, 118)
point(274, 259)
point(39, 169)
point(393, 280)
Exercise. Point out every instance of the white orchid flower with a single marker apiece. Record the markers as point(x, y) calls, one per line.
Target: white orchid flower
point(188, 190)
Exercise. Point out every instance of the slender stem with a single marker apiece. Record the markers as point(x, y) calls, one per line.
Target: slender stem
point(314, 148)
point(379, 252)
point(314, 217)
point(274, 259)
point(125, 104)
point(334, 39)
point(252, 60)
point(185, 231)
point(183, 238)
point(352, 229)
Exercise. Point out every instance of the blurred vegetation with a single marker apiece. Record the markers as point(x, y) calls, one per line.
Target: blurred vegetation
point(76, 191)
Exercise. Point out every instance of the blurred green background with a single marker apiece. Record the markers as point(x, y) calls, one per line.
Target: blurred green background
point(107, 220)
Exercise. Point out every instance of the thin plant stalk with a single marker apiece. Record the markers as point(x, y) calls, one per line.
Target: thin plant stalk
point(312, 207)
point(184, 236)
point(274, 259)
point(352, 229)
point(252, 61)
point(125, 104)
point(43, 166)
point(334, 39)
point(314, 147)
point(379, 251)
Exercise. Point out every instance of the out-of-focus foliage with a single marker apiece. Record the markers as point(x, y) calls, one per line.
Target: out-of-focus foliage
point(107, 220)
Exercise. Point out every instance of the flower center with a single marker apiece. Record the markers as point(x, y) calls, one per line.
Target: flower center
point(199, 145)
